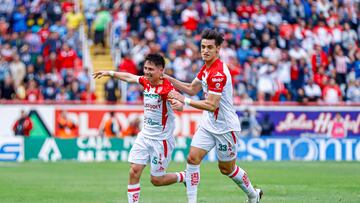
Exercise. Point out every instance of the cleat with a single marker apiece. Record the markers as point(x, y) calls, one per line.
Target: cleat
point(259, 194)
point(184, 177)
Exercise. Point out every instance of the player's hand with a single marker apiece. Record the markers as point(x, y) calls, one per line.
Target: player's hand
point(176, 95)
point(100, 74)
point(175, 104)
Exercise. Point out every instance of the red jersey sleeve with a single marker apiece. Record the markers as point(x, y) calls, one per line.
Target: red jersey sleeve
point(201, 73)
point(216, 82)
point(142, 80)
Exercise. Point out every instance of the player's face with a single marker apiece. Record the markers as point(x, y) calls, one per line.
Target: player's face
point(152, 72)
point(209, 50)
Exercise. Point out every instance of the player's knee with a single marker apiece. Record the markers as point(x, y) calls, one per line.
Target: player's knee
point(157, 181)
point(194, 160)
point(225, 170)
point(134, 172)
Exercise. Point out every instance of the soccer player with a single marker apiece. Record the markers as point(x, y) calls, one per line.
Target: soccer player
point(155, 142)
point(220, 125)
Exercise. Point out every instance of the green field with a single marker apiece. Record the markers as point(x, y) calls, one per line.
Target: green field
point(107, 182)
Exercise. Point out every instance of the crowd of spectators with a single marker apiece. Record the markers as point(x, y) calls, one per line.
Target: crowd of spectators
point(296, 50)
point(40, 52)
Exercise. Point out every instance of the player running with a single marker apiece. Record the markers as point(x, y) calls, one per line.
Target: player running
point(155, 142)
point(220, 125)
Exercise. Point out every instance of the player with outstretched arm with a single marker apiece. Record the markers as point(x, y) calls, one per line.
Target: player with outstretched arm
point(155, 143)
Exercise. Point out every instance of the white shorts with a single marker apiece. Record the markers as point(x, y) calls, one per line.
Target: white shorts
point(157, 152)
point(226, 144)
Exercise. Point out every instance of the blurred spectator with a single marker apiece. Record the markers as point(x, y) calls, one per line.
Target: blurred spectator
point(272, 53)
point(33, 93)
point(249, 125)
point(18, 70)
point(190, 17)
point(49, 90)
point(267, 126)
point(88, 95)
point(101, 22)
point(312, 91)
point(7, 90)
point(53, 10)
point(19, 19)
point(90, 8)
point(67, 128)
point(66, 59)
point(73, 19)
point(23, 125)
point(133, 129)
point(353, 92)
point(331, 92)
point(110, 87)
point(111, 127)
point(338, 127)
point(62, 95)
point(128, 65)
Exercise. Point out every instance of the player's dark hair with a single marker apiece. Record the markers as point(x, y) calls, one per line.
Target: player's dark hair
point(213, 34)
point(156, 59)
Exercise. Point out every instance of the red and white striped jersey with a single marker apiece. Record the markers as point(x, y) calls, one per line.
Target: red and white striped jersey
point(159, 118)
point(217, 80)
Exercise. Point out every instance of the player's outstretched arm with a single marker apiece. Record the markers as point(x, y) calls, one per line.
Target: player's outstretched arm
point(127, 77)
point(188, 88)
point(210, 104)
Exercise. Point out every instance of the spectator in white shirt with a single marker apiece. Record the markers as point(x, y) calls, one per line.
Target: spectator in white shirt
point(312, 91)
point(272, 53)
point(297, 52)
point(353, 92)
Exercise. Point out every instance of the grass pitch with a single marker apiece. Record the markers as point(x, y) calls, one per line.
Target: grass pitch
point(310, 182)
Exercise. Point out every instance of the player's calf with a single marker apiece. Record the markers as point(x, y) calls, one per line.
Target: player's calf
point(168, 179)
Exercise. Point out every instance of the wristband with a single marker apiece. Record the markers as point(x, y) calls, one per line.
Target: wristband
point(187, 101)
point(111, 73)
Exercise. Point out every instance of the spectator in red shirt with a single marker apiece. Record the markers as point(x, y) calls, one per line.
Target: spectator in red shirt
point(23, 125)
point(320, 78)
point(128, 65)
point(88, 95)
point(332, 92)
point(44, 32)
point(319, 58)
point(190, 18)
point(33, 92)
point(66, 58)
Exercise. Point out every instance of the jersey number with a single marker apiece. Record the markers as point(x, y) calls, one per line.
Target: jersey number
point(222, 147)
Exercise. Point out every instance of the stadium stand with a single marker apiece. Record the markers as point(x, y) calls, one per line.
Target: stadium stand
point(295, 51)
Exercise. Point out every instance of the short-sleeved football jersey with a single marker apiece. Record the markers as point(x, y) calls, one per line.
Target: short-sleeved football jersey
point(159, 118)
point(217, 80)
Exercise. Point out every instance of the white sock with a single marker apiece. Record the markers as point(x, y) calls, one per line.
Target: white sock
point(192, 181)
point(180, 177)
point(240, 177)
point(134, 193)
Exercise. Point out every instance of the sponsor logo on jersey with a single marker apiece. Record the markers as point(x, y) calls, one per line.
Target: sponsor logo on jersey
point(149, 95)
point(217, 79)
point(152, 106)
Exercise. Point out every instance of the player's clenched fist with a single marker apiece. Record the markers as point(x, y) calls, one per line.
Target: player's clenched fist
point(176, 95)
